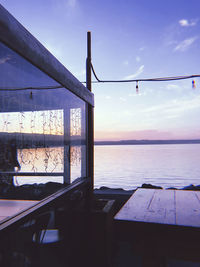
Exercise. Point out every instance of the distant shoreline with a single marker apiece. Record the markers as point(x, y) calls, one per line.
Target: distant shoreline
point(146, 142)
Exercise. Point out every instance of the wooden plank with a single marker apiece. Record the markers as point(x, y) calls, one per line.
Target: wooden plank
point(2, 218)
point(12, 207)
point(187, 208)
point(149, 205)
point(33, 173)
point(162, 208)
point(136, 207)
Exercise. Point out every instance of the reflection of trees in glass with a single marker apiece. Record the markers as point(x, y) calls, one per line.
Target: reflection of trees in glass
point(75, 155)
point(41, 159)
point(32, 131)
point(75, 121)
point(6, 122)
point(35, 122)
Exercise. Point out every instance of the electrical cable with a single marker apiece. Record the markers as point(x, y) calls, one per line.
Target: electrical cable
point(31, 88)
point(160, 79)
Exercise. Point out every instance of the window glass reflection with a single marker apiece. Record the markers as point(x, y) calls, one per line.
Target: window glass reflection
point(42, 126)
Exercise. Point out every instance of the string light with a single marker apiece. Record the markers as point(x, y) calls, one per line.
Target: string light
point(193, 84)
point(137, 88)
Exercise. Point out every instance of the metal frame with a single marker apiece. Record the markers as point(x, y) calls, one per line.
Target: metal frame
point(15, 36)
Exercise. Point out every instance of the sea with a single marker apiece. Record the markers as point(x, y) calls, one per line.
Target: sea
point(120, 166)
point(130, 166)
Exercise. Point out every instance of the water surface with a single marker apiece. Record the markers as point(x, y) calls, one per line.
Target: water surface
point(129, 166)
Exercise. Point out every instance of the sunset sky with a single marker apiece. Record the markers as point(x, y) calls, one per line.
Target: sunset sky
point(131, 39)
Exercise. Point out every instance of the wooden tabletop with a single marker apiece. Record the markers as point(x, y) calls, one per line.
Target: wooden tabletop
point(10, 208)
point(171, 207)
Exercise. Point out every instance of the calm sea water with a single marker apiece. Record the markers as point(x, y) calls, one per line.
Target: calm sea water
point(129, 166)
point(121, 166)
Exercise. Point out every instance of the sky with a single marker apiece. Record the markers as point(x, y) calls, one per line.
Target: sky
point(131, 39)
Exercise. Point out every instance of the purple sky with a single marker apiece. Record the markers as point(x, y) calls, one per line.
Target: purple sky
point(130, 39)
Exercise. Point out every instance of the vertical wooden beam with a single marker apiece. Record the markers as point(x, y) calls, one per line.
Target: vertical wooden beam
point(67, 125)
point(83, 144)
point(88, 63)
point(90, 116)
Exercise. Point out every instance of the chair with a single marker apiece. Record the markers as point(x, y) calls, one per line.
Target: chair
point(35, 244)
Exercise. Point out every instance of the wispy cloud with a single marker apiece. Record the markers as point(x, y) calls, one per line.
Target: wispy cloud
point(185, 44)
point(187, 23)
point(122, 99)
point(138, 59)
point(69, 7)
point(133, 95)
point(80, 73)
point(137, 73)
point(125, 62)
point(54, 48)
point(174, 108)
point(71, 3)
point(137, 94)
point(174, 87)
point(151, 134)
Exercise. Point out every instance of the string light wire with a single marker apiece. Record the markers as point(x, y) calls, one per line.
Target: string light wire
point(160, 79)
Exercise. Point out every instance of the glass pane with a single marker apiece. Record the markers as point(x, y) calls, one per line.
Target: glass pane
point(42, 126)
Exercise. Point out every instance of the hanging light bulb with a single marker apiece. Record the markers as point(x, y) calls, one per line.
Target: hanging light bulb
point(193, 84)
point(137, 88)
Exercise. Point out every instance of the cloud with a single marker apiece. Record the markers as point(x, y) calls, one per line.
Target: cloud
point(69, 7)
point(133, 95)
point(134, 75)
point(151, 134)
point(173, 87)
point(186, 23)
point(71, 3)
point(175, 108)
point(122, 99)
point(185, 44)
point(125, 62)
point(53, 48)
point(81, 73)
point(138, 59)
point(137, 94)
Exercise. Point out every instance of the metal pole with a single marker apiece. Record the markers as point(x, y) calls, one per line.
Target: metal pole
point(90, 117)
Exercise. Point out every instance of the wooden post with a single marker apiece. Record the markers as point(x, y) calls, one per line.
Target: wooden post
point(88, 63)
point(90, 122)
point(66, 145)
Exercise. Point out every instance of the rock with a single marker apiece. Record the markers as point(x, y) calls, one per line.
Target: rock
point(192, 187)
point(151, 186)
point(171, 188)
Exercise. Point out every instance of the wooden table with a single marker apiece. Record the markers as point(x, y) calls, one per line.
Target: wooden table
point(9, 208)
point(162, 223)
